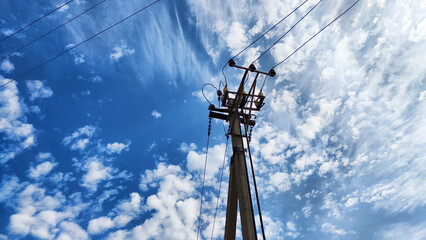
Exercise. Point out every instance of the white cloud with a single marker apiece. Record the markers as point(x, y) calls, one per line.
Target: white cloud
point(156, 114)
point(97, 79)
point(7, 31)
point(18, 134)
point(315, 123)
point(402, 230)
point(184, 147)
point(6, 66)
point(125, 212)
point(119, 52)
point(9, 186)
point(95, 173)
point(330, 228)
point(116, 147)
point(64, 8)
point(80, 139)
point(291, 226)
point(195, 161)
point(72, 231)
point(100, 225)
point(280, 181)
point(41, 169)
point(173, 207)
point(39, 214)
point(37, 89)
point(307, 209)
point(78, 59)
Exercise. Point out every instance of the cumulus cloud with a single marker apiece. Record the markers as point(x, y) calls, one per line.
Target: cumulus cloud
point(97, 79)
point(78, 59)
point(330, 228)
point(38, 214)
point(195, 161)
point(80, 139)
point(41, 169)
point(156, 114)
point(37, 89)
point(96, 172)
point(99, 225)
point(185, 147)
point(173, 207)
point(18, 135)
point(7, 66)
point(116, 147)
point(70, 230)
point(125, 212)
point(119, 52)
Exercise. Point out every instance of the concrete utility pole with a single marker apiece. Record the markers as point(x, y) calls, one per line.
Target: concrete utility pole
point(237, 109)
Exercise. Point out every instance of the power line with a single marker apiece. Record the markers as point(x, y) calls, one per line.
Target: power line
point(270, 29)
point(276, 24)
point(204, 177)
point(44, 35)
point(279, 39)
point(322, 29)
point(71, 48)
point(38, 19)
point(220, 183)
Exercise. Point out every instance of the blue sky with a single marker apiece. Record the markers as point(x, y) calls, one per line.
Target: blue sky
point(108, 141)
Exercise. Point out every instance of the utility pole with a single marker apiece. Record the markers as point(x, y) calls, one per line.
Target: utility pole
point(237, 108)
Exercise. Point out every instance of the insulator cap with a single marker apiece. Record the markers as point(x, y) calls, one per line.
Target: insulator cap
point(225, 90)
point(244, 92)
point(272, 73)
point(261, 94)
point(219, 93)
point(211, 107)
point(231, 62)
point(252, 67)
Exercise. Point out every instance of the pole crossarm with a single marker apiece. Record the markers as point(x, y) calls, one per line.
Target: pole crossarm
point(237, 108)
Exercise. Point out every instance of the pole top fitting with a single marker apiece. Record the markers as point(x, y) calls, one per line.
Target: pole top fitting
point(252, 67)
point(231, 62)
point(272, 73)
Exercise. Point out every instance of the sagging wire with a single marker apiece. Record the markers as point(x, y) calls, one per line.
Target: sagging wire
point(204, 176)
point(263, 84)
point(279, 39)
point(38, 19)
point(257, 39)
point(254, 177)
point(82, 42)
point(322, 29)
point(56, 28)
point(220, 183)
point(202, 91)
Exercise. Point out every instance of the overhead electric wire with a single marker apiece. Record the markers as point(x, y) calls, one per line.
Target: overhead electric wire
point(254, 176)
point(38, 19)
point(204, 178)
point(276, 24)
point(56, 28)
point(71, 48)
point(322, 29)
point(255, 189)
point(279, 39)
point(220, 184)
point(202, 91)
